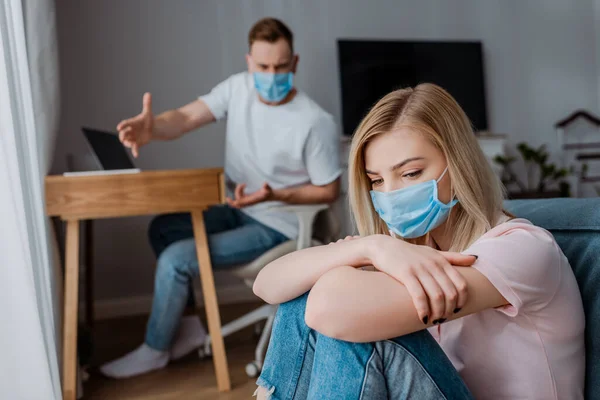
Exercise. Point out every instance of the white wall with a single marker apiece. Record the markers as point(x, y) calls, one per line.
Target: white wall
point(597, 26)
point(541, 61)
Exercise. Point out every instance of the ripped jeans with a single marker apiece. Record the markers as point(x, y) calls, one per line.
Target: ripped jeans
point(303, 364)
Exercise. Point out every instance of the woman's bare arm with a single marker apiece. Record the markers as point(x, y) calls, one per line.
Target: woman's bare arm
point(294, 274)
point(360, 306)
point(433, 283)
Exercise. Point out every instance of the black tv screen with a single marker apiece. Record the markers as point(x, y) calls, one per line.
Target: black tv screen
point(370, 69)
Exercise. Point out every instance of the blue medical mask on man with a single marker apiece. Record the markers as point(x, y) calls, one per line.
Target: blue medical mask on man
point(413, 211)
point(273, 87)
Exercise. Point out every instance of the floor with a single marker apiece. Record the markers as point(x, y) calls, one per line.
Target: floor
point(189, 378)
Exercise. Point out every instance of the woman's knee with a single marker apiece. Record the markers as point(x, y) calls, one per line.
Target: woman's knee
point(296, 306)
point(291, 313)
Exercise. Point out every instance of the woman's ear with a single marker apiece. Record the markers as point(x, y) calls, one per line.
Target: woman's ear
point(249, 63)
point(295, 63)
point(446, 189)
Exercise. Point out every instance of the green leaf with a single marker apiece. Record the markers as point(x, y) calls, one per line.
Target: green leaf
point(561, 173)
point(584, 168)
point(565, 189)
point(548, 170)
point(504, 160)
point(525, 150)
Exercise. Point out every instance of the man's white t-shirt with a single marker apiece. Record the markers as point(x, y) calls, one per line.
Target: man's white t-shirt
point(285, 146)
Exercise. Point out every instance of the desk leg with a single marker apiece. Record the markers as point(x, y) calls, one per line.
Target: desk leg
point(89, 272)
point(210, 303)
point(70, 311)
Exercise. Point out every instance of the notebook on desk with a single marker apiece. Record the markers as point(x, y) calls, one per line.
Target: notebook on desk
point(109, 153)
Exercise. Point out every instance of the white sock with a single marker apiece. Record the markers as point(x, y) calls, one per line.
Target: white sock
point(141, 360)
point(190, 336)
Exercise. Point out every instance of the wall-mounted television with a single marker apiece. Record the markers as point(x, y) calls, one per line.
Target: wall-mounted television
point(369, 69)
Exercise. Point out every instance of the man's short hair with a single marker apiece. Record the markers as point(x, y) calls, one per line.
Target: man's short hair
point(270, 30)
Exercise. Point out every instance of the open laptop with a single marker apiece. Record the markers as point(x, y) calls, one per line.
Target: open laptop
point(110, 155)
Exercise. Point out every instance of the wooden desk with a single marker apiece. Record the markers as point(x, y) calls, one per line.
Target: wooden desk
point(76, 198)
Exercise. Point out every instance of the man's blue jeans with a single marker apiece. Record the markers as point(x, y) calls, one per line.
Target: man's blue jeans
point(233, 238)
point(303, 364)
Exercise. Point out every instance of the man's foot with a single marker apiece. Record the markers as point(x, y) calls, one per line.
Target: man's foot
point(190, 336)
point(140, 361)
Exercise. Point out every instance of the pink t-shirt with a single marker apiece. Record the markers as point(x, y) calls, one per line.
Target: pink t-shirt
point(532, 348)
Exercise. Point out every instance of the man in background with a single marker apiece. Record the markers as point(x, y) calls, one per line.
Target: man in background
point(281, 148)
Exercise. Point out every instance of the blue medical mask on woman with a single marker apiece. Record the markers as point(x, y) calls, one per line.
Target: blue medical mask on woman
point(413, 211)
point(273, 87)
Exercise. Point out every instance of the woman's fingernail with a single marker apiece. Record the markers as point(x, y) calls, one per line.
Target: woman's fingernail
point(425, 319)
point(441, 320)
point(473, 255)
point(457, 310)
point(437, 321)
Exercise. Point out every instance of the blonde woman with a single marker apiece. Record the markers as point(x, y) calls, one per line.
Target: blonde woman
point(499, 300)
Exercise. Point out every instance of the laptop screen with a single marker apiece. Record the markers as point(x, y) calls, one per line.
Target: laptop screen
point(109, 151)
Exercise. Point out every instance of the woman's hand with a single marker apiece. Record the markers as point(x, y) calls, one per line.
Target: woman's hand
point(296, 273)
point(429, 275)
point(346, 239)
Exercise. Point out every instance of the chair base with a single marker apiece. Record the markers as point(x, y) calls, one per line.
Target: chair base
point(267, 312)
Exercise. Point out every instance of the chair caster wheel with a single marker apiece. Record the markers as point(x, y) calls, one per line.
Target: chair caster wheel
point(252, 369)
point(204, 352)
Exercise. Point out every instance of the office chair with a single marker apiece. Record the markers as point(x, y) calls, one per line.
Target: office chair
point(317, 225)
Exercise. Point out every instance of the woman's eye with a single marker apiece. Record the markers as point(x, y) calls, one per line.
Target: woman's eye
point(413, 174)
point(376, 182)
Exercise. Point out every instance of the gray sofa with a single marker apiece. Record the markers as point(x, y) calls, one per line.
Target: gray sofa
point(575, 223)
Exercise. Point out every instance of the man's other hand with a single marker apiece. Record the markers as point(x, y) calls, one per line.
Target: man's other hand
point(244, 200)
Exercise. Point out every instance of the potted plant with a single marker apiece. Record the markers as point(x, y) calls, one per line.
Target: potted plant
point(551, 180)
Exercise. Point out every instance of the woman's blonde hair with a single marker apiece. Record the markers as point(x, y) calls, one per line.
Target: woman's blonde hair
point(431, 110)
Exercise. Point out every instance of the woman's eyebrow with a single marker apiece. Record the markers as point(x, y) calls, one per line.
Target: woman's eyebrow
point(403, 163)
point(399, 165)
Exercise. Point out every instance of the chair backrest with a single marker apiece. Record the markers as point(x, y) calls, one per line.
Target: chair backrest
point(326, 227)
point(575, 224)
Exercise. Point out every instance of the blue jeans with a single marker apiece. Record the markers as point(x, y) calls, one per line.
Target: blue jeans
point(233, 238)
point(303, 364)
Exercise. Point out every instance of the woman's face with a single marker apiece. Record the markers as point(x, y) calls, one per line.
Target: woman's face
point(402, 158)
